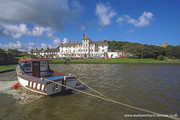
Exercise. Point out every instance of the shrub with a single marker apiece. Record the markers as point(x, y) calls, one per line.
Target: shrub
point(160, 57)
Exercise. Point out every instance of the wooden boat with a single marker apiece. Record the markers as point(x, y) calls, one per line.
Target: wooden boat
point(35, 75)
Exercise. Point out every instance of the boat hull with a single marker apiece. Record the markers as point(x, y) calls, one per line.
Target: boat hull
point(35, 75)
point(29, 85)
point(46, 88)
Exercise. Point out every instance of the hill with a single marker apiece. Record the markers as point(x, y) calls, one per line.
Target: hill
point(146, 51)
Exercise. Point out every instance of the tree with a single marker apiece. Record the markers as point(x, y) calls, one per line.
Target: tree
point(116, 45)
point(2, 50)
point(145, 51)
point(160, 57)
point(177, 52)
point(133, 48)
point(170, 51)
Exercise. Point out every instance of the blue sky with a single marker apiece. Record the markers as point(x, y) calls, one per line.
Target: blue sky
point(60, 21)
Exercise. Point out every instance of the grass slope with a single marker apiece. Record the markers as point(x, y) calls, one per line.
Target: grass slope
point(2, 68)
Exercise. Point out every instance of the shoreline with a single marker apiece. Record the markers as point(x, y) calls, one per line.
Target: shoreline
point(114, 61)
point(108, 63)
point(100, 61)
point(9, 70)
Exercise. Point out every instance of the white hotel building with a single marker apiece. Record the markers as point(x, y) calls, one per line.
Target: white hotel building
point(87, 48)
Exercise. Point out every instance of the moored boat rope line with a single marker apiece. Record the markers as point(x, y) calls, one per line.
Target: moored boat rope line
point(90, 87)
point(113, 101)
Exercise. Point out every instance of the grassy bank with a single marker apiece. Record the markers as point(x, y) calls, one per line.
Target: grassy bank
point(110, 61)
point(9, 67)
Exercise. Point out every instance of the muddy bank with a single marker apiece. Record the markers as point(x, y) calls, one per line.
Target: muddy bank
point(20, 94)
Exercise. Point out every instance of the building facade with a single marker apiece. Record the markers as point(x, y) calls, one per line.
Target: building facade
point(115, 54)
point(45, 53)
point(50, 53)
point(87, 48)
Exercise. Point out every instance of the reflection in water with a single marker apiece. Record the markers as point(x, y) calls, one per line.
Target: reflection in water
point(151, 86)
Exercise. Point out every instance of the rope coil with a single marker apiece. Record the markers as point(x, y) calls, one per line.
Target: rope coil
point(103, 97)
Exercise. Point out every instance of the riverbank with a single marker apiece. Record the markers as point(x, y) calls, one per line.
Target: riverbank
point(7, 68)
point(113, 61)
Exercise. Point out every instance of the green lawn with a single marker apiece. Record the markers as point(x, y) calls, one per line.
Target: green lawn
point(2, 68)
point(125, 60)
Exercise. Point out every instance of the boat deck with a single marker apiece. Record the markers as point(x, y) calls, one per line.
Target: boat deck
point(46, 79)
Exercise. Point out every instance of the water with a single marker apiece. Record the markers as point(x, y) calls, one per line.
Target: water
point(154, 87)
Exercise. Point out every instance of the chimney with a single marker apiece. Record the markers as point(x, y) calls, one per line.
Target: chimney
point(73, 42)
point(106, 41)
point(83, 35)
point(61, 43)
point(69, 41)
point(77, 41)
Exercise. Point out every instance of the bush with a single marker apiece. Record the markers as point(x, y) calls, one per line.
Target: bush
point(160, 57)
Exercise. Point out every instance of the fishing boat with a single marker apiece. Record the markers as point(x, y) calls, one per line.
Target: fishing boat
point(36, 75)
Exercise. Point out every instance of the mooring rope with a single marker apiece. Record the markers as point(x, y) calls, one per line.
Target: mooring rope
point(90, 87)
point(113, 101)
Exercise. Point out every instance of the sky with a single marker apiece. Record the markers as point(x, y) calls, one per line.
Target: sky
point(25, 24)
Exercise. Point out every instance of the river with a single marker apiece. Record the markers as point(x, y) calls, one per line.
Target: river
point(154, 87)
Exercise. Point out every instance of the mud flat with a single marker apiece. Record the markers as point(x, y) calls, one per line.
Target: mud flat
point(21, 95)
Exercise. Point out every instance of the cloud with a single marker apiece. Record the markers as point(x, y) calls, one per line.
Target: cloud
point(82, 27)
point(144, 20)
point(48, 14)
point(17, 30)
point(120, 20)
point(16, 35)
point(56, 41)
point(49, 34)
point(65, 40)
point(38, 31)
point(43, 45)
point(104, 13)
point(18, 45)
point(3, 32)
point(21, 28)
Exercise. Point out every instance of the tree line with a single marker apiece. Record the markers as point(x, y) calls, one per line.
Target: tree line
point(145, 51)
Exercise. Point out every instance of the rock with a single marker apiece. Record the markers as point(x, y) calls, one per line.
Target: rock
point(26, 98)
point(22, 98)
point(24, 94)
